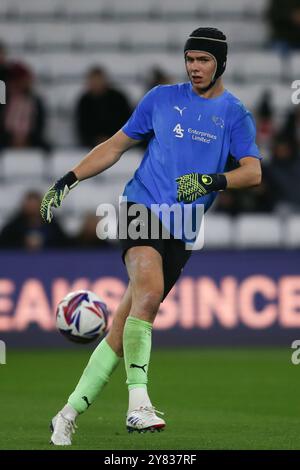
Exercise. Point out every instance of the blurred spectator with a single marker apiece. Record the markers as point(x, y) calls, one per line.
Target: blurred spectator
point(284, 18)
point(158, 76)
point(101, 110)
point(283, 173)
point(227, 202)
point(87, 237)
point(27, 230)
point(258, 199)
point(265, 126)
point(4, 64)
point(22, 119)
point(291, 127)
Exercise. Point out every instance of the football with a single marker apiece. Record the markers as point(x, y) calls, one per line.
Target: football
point(81, 316)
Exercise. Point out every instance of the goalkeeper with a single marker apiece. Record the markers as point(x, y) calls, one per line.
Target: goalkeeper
point(192, 128)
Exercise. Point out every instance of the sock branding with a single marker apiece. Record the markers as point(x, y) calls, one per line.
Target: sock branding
point(132, 366)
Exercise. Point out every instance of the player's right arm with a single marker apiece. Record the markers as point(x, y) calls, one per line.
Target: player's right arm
point(103, 156)
point(100, 158)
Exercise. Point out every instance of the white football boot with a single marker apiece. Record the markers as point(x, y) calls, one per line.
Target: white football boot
point(144, 419)
point(62, 430)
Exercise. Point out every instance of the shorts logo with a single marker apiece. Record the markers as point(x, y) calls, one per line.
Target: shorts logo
point(179, 131)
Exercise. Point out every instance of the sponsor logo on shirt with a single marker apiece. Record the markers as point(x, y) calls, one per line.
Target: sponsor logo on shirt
point(179, 131)
point(202, 136)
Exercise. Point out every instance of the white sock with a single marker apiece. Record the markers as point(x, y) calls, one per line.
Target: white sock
point(138, 397)
point(69, 412)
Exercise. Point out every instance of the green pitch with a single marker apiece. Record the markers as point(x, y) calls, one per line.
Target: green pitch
point(212, 399)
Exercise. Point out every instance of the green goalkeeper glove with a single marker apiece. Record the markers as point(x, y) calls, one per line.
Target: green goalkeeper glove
point(56, 194)
point(194, 185)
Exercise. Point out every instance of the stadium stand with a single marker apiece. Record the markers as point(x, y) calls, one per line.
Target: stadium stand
point(253, 231)
point(22, 164)
point(60, 40)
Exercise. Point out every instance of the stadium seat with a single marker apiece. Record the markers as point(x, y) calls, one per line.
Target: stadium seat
point(21, 164)
point(132, 8)
point(91, 194)
point(133, 89)
point(281, 96)
point(233, 8)
point(71, 223)
point(17, 35)
point(259, 230)
point(67, 64)
point(179, 31)
point(147, 35)
point(86, 199)
point(60, 130)
point(239, 33)
point(10, 199)
point(173, 63)
point(81, 9)
point(11, 195)
point(74, 65)
point(37, 8)
point(126, 166)
point(39, 64)
point(103, 34)
point(249, 94)
point(218, 231)
point(112, 190)
point(171, 8)
point(292, 231)
point(62, 96)
point(8, 7)
point(295, 65)
point(253, 66)
point(255, 7)
point(63, 160)
point(53, 35)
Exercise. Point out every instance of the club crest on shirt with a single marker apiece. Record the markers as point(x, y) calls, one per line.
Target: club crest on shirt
point(218, 121)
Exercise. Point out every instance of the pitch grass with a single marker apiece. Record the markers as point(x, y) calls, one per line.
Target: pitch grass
point(212, 399)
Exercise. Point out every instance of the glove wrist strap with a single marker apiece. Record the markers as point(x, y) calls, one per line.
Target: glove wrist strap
point(221, 181)
point(70, 179)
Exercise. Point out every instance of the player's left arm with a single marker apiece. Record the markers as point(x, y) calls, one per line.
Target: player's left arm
point(194, 185)
point(244, 149)
point(247, 175)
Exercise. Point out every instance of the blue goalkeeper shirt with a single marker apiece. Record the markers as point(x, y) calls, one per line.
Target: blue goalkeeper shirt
point(187, 134)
